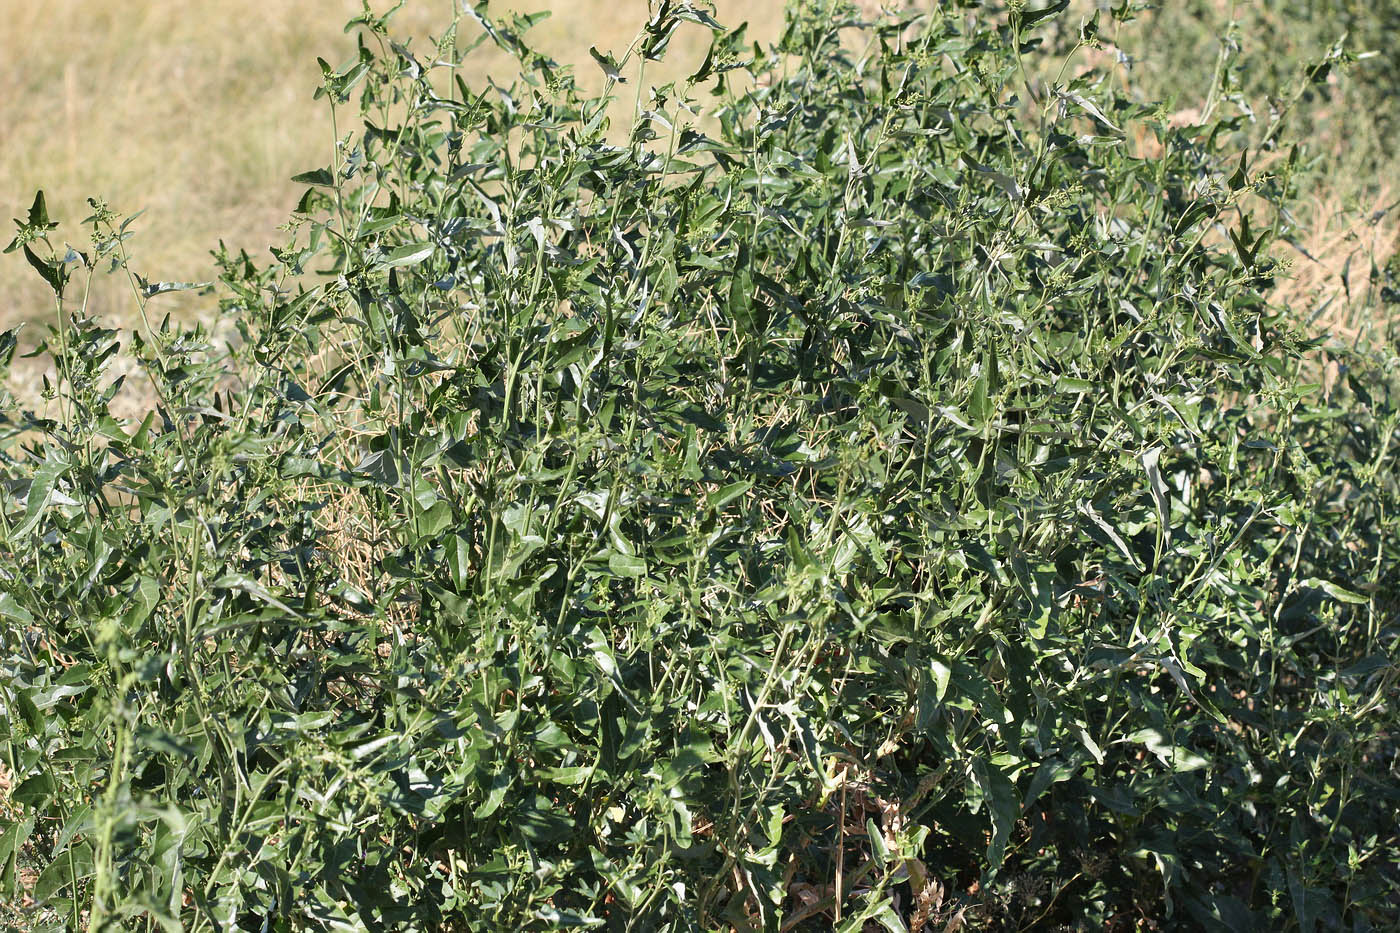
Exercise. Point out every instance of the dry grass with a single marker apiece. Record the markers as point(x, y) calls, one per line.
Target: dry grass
point(199, 112)
point(1329, 282)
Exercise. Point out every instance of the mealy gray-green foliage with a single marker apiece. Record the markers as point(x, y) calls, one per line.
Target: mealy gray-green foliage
point(860, 489)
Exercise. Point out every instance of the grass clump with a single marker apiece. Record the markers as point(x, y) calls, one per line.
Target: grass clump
point(860, 491)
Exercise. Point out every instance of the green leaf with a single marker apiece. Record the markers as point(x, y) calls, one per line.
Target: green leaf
point(625, 566)
point(1029, 18)
point(1240, 179)
point(39, 212)
point(495, 796)
point(942, 674)
point(877, 843)
point(1004, 806)
point(11, 609)
point(321, 177)
point(727, 494)
point(36, 227)
point(1090, 108)
point(159, 740)
point(570, 776)
point(409, 254)
point(435, 519)
point(611, 69)
point(1150, 464)
point(54, 273)
point(1336, 592)
point(64, 874)
point(9, 341)
point(1174, 756)
point(246, 584)
point(41, 488)
point(151, 289)
point(978, 406)
point(1002, 180)
point(31, 713)
point(35, 791)
point(459, 561)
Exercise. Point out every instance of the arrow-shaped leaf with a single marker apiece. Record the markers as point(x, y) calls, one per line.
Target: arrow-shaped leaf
point(608, 64)
point(410, 254)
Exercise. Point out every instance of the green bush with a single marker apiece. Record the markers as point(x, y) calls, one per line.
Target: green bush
point(851, 493)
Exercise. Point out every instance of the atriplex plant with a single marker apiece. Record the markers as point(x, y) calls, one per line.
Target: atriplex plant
point(860, 490)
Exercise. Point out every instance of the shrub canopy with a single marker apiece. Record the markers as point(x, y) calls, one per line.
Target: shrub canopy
point(858, 485)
